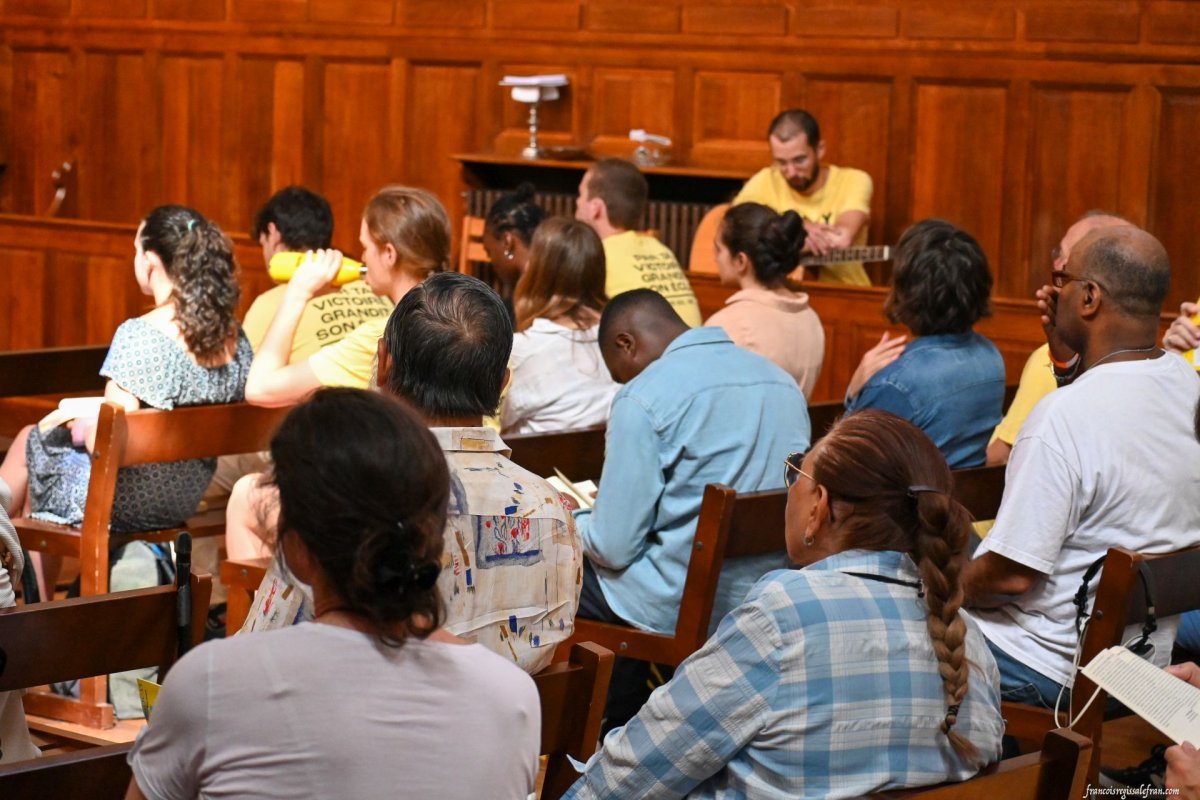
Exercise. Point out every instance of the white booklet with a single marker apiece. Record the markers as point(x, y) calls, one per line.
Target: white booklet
point(1166, 702)
point(583, 491)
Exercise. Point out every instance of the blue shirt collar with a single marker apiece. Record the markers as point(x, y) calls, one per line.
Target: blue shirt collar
point(698, 336)
point(889, 563)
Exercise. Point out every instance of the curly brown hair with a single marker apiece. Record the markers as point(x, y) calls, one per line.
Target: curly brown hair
point(198, 259)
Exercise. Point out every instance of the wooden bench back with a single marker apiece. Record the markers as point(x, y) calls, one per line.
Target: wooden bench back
point(97, 773)
point(55, 370)
point(1057, 772)
point(980, 489)
point(572, 694)
point(470, 246)
point(578, 453)
point(84, 637)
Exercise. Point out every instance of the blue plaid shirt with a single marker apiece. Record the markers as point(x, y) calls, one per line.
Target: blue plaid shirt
point(821, 684)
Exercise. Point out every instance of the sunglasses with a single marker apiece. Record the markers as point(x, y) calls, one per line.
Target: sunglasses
point(1060, 278)
point(792, 472)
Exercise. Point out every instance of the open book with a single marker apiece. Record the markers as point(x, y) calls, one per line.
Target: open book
point(582, 491)
point(1166, 702)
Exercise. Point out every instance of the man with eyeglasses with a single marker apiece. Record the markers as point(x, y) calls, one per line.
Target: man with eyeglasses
point(1053, 363)
point(1106, 461)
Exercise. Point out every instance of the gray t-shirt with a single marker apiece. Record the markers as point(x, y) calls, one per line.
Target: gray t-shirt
point(317, 711)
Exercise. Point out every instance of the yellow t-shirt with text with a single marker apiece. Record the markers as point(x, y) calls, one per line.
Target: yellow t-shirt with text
point(350, 362)
point(845, 189)
point(327, 319)
point(636, 260)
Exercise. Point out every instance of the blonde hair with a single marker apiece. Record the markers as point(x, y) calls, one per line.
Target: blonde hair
point(413, 222)
point(565, 274)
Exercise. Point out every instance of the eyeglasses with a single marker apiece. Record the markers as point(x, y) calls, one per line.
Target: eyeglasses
point(791, 472)
point(1060, 278)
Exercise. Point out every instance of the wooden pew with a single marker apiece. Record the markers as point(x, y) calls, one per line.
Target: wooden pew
point(126, 439)
point(578, 453)
point(1120, 601)
point(1057, 772)
point(97, 773)
point(82, 637)
point(572, 696)
point(241, 579)
point(33, 381)
point(980, 489)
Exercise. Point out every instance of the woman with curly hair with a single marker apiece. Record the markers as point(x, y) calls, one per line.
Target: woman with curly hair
point(188, 350)
point(372, 698)
point(948, 380)
point(857, 673)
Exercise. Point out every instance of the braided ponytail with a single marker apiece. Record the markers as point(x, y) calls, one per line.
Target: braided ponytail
point(939, 551)
point(891, 487)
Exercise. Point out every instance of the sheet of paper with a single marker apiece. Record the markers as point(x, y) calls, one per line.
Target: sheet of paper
point(581, 491)
point(1167, 703)
point(70, 408)
point(556, 79)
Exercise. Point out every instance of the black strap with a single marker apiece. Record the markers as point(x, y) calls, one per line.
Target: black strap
point(885, 579)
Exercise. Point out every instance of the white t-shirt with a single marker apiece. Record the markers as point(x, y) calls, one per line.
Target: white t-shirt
point(558, 380)
point(317, 711)
point(1109, 461)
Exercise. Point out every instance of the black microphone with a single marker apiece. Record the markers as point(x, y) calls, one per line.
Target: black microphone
point(183, 591)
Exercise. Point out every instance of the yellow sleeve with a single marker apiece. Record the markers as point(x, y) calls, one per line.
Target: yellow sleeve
point(757, 189)
point(259, 316)
point(1037, 381)
point(857, 192)
point(351, 361)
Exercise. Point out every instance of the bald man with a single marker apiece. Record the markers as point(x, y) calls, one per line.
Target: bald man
point(695, 409)
point(1106, 461)
point(1041, 375)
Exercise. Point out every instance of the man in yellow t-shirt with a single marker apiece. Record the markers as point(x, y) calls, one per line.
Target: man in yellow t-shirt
point(835, 202)
point(297, 220)
point(612, 199)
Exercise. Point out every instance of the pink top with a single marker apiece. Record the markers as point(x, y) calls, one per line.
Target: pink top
point(783, 329)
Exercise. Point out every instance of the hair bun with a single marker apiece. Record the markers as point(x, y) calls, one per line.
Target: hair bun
point(525, 192)
point(791, 227)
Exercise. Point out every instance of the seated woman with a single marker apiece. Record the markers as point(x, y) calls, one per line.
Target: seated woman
point(853, 675)
point(405, 235)
point(15, 744)
point(188, 350)
point(949, 380)
point(507, 235)
point(369, 696)
point(558, 380)
point(756, 249)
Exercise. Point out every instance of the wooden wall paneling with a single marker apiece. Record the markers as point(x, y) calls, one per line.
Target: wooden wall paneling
point(355, 143)
point(855, 115)
point(1174, 22)
point(1014, 272)
point(194, 166)
point(22, 289)
point(560, 122)
point(898, 190)
point(443, 100)
point(111, 9)
point(1075, 162)
point(830, 20)
point(118, 163)
point(730, 114)
point(546, 15)
point(624, 99)
point(623, 16)
point(361, 12)
point(969, 19)
point(461, 14)
point(957, 173)
point(1172, 212)
point(39, 8)
point(269, 133)
point(736, 17)
point(271, 11)
point(198, 10)
point(1094, 22)
point(40, 117)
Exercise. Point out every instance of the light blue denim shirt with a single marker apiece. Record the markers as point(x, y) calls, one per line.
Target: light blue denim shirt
point(951, 386)
point(705, 412)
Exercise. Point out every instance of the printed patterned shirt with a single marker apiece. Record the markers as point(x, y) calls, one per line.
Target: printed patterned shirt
point(822, 684)
point(511, 569)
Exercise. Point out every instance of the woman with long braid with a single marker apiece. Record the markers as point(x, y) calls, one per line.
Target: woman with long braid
point(852, 675)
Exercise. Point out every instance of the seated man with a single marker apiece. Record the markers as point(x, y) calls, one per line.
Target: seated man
point(695, 410)
point(511, 566)
point(1107, 461)
point(834, 201)
point(297, 220)
point(1038, 378)
point(612, 199)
